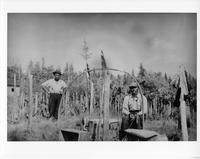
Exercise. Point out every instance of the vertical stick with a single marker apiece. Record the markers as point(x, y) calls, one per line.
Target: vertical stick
point(21, 93)
point(30, 100)
point(76, 94)
point(21, 104)
point(14, 112)
point(92, 98)
point(36, 102)
point(15, 82)
point(86, 95)
point(100, 114)
point(66, 103)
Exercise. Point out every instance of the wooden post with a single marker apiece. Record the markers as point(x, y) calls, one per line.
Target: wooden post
point(66, 103)
point(100, 115)
point(91, 98)
point(30, 100)
point(14, 112)
point(106, 96)
point(36, 102)
point(15, 81)
point(184, 91)
point(21, 94)
point(76, 97)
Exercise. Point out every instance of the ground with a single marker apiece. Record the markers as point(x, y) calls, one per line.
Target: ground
point(46, 130)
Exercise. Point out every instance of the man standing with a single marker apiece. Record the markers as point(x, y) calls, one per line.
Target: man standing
point(56, 88)
point(132, 109)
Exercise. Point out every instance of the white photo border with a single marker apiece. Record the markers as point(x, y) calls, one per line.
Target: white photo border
point(91, 149)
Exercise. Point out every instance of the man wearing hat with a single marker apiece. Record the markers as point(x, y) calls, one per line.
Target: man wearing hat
point(132, 109)
point(55, 88)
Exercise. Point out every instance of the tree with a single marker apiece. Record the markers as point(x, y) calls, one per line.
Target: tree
point(43, 62)
point(66, 72)
point(86, 55)
point(142, 71)
point(133, 73)
point(165, 76)
point(30, 66)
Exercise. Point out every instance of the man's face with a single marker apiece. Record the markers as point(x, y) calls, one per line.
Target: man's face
point(133, 91)
point(57, 77)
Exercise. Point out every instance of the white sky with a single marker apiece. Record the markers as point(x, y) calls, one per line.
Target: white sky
point(160, 41)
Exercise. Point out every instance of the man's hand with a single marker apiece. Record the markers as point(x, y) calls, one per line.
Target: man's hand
point(46, 89)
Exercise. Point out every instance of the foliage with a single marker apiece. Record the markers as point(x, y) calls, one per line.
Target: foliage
point(153, 84)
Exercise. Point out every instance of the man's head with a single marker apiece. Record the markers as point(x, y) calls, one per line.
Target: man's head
point(57, 74)
point(133, 89)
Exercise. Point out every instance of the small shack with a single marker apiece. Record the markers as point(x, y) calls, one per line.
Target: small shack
point(12, 89)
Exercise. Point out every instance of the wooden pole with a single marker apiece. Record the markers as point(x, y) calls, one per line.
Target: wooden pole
point(91, 98)
point(106, 102)
point(30, 100)
point(66, 102)
point(100, 115)
point(36, 102)
point(14, 112)
point(15, 82)
point(184, 91)
point(21, 94)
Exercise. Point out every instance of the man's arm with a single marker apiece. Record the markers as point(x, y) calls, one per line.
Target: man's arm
point(45, 86)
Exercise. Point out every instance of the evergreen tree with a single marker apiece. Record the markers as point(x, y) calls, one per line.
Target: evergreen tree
point(142, 71)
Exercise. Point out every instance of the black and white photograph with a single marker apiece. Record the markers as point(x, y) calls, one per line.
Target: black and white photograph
point(102, 77)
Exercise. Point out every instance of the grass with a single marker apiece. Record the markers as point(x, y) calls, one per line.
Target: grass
point(170, 129)
point(41, 130)
point(46, 130)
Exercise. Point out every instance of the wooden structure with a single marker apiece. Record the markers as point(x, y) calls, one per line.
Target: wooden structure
point(93, 133)
point(101, 127)
point(184, 91)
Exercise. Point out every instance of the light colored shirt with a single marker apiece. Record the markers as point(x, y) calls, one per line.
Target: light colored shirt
point(55, 86)
point(134, 103)
point(145, 105)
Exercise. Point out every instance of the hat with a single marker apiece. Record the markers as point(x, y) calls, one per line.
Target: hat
point(133, 84)
point(58, 71)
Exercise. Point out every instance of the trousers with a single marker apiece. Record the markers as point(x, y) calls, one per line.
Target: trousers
point(130, 122)
point(54, 102)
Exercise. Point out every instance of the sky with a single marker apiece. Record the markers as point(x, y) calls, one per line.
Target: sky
point(161, 42)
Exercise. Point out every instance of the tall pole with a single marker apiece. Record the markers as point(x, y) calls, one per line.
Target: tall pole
point(91, 98)
point(36, 102)
point(14, 114)
point(86, 55)
point(184, 91)
point(30, 99)
point(106, 95)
